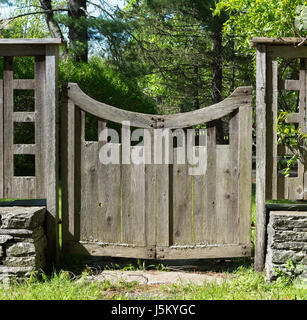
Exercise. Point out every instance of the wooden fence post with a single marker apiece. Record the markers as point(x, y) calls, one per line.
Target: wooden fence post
point(260, 157)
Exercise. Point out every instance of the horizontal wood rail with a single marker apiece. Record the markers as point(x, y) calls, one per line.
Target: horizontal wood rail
point(240, 97)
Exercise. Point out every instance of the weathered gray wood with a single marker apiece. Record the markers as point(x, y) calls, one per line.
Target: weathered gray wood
point(40, 78)
point(245, 173)
point(158, 206)
point(151, 191)
point(277, 41)
point(70, 137)
point(26, 84)
point(230, 175)
point(286, 51)
point(24, 116)
point(50, 141)
point(271, 133)
point(260, 158)
point(1, 140)
point(203, 251)
point(213, 112)
point(199, 192)
point(106, 249)
point(24, 149)
point(210, 223)
point(89, 214)
point(14, 50)
point(291, 84)
point(30, 42)
point(133, 203)
point(8, 105)
point(23, 187)
point(109, 195)
point(182, 202)
point(104, 111)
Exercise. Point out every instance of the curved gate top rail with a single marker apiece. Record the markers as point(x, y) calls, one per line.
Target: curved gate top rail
point(240, 97)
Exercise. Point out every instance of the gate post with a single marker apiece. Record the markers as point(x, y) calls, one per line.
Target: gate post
point(43, 184)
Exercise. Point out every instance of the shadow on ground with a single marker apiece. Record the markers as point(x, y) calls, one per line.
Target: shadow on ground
point(77, 264)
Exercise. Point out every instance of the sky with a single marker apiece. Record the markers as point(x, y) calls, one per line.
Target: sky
point(5, 10)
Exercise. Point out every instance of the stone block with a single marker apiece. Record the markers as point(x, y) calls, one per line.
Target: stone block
point(21, 217)
point(287, 240)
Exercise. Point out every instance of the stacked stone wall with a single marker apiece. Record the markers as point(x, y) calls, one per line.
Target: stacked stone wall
point(22, 241)
point(287, 241)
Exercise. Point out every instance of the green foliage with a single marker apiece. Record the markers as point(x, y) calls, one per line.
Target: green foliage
point(103, 83)
point(292, 137)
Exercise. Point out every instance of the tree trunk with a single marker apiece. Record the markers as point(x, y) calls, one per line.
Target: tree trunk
point(196, 104)
point(53, 26)
point(78, 37)
point(217, 77)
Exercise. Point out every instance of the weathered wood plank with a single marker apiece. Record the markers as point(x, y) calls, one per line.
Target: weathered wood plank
point(260, 244)
point(30, 42)
point(107, 112)
point(182, 201)
point(89, 213)
point(286, 52)
point(1, 140)
point(151, 192)
point(105, 249)
point(69, 133)
point(23, 50)
point(133, 202)
point(203, 251)
point(245, 174)
point(8, 107)
point(50, 142)
point(200, 197)
point(291, 41)
point(23, 187)
point(24, 116)
point(39, 74)
point(109, 195)
point(24, 149)
point(210, 221)
point(226, 209)
point(25, 84)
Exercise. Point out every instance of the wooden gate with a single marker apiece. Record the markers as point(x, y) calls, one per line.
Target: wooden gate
point(157, 211)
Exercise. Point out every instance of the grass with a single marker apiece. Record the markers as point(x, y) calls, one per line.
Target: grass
point(242, 284)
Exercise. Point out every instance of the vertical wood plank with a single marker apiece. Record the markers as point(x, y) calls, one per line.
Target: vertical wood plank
point(162, 189)
point(260, 244)
point(271, 133)
point(200, 199)
point(182, 200)
point(233, 218)
point(89, 213)
point(51, 151)
point(8, 107)
point(68, 167)
point(226, 209)
point(245, 173)
point(1, 139)
point(109, 194)
point(133, 203)
point(210, 221)
point(39, 109)
point(151, 192)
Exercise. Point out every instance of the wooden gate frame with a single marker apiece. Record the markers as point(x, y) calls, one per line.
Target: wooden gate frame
point(74, 105)
point(268, 50)
point(45, 183)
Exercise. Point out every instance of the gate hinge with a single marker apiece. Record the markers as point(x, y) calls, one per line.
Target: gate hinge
point(158, 122)
point(151, 252)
